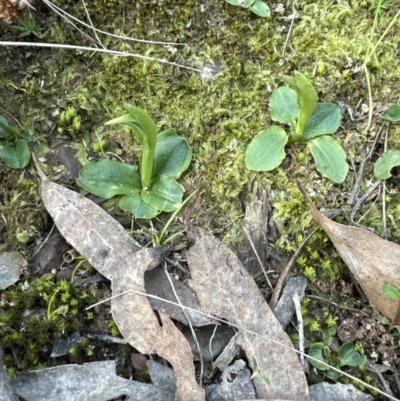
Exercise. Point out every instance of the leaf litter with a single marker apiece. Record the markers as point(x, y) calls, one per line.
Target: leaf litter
point(223, 287)
point(372, 260)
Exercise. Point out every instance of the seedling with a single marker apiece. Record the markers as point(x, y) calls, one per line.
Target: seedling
point(258, 7)
point(163, 159)
point(390, 158)
point(346, 356)
point(391, 291)
point(27, 26)
point(16, 152)
point(309, 122)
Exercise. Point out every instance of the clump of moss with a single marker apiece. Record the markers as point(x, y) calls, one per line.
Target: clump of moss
point(36, 313)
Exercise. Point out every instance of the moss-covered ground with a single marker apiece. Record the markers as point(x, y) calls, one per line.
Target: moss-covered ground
point(328, 42)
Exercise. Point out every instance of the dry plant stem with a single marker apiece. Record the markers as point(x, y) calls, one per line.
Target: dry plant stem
point(289, 34)
point(384, 190)
point(253, 333)
point(91, 24)
point(189, 321)
point(210, 343)
point(279, 285)
point(360, 202)
point(357, 184)
point(334, 303)
point(91, 49)
point(258, 257)
point(45, 240)
point(60, 11)
point(296, 301)
point(376, 139)
point(10, 115)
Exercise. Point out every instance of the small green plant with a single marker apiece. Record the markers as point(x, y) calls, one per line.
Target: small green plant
point(16, 151)
point(27, 26)
point(309, 122)
point(163, 159)
point(346, 356)
point(257, 372)
point(258, 7)
point(390, 158)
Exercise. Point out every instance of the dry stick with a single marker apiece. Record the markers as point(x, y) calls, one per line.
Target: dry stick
point(357, 184)
point(297, 305)
point(360, 202)
point(384, 190)
point(256, 253)
point(289, 34)
point(282, 277)
point(91, 24)
point(190, 323)
point(91, 49)
point(61, 11)
point(250, 332)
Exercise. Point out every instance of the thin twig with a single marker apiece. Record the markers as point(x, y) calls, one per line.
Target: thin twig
point(91, 24)
point(289, 34)
point(45, 240)
point(263, 336)
point(279, 285)
point(297, 306)
point(91, 49)
point(360, 202)
point(334, 303)
point(258, 258)
point(384, 190)
point(61, 11)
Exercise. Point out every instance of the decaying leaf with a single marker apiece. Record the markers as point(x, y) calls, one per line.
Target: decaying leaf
point(226, 290)
point(372, 260)
point(103, 242)
point(140, 327)
point(87, 227)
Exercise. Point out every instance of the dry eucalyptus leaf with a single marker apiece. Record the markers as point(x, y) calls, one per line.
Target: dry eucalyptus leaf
point(372, 260)
point(87, 227)
point(225, 289)
point(11, 265)
point(139, 325)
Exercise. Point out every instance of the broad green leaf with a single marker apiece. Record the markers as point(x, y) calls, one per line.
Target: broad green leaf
point(330, 158)
point(16, 156)
point(325, 119)
point(233, 2)
point(27, 133)
point(134, 204)
point(165, 194)
point(108, 178)
point(3, 124)
point(6, 131)
point(172, 156)
point(145, 129)
point(267, 149)
point(315, 351)
point(392, 114)
point(261, 9)
point(284, 107)
point(385, 163)
point(307, 99)
point(391, 291)
point(347, 355)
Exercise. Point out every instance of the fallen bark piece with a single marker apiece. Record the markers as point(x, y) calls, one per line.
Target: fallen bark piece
point(96, 381)
point(226, 290)
point(11, 264)
point(6, 390)
point(148, 333)
point(372, 260)
point(236, 384)
point(337, 392)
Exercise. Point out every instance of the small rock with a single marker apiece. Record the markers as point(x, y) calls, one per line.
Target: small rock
point(11, 265)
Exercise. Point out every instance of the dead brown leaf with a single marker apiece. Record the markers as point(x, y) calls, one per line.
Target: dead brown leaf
point(372, 260)
point(225, 289)
point(140, 327)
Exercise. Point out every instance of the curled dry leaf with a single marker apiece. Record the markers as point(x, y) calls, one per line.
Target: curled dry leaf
point(140, 327)
point(226, 290)
point(372, 260)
